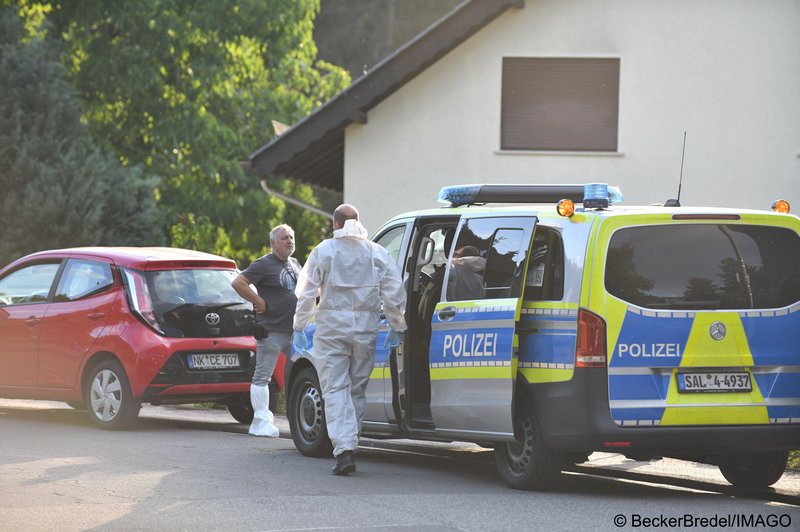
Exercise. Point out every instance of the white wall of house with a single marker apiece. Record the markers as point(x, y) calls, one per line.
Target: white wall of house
point(725, 71)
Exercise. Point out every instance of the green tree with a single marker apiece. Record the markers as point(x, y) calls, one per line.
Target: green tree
point(59, 189)
point(188, 89)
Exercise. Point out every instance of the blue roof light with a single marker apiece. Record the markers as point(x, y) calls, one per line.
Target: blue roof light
point(595, 195)
point(600, 195)
point(459, 195)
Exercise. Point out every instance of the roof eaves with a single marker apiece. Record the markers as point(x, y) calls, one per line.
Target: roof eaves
point(352, 103)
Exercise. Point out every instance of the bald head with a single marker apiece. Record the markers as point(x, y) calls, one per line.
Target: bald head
point(343, 213)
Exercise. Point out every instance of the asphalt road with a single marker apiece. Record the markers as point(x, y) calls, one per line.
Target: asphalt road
point(184, 469)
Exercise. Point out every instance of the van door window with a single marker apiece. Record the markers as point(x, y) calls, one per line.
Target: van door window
point(545, 278)
point(486, 261)
point(392, 241)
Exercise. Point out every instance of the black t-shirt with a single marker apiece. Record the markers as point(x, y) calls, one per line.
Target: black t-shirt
point(275, 281)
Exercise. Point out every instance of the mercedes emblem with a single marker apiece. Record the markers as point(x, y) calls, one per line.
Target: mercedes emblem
point(717, 331)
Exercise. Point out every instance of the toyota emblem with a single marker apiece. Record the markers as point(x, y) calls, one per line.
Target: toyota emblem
point(717, 331)
point(212, 318)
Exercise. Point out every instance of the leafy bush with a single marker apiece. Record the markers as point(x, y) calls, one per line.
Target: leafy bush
point(794, 460)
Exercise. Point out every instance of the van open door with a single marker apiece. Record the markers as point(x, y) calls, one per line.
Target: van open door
point(472, 354)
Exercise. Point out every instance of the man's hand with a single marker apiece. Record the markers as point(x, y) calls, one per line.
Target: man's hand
point(393, 339)
point(299, 341)
point(243, 287)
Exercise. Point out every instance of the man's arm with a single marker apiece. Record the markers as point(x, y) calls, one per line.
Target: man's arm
point(394, 297)
point(307, 291)
point(243, 287)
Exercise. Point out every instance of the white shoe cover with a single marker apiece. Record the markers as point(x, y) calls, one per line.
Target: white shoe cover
point(262, 424)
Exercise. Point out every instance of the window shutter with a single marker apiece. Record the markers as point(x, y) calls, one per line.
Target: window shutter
point(567, 104)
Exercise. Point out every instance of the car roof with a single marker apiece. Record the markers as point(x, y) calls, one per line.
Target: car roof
point(141, 257)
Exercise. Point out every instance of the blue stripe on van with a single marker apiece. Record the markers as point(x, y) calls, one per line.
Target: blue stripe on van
point(652, 340)
point(778, 385)
point(783, 414)
point(472, 315)
point(547, 348)
point(638, 387)
point(774, 339)
point(553, 341)
point(645, 416)
point(483, 340)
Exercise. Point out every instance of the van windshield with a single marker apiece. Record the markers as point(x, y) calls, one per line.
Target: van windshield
point(704, 266)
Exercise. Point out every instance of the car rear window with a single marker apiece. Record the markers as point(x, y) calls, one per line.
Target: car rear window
point(193, 286)
point(704, 266)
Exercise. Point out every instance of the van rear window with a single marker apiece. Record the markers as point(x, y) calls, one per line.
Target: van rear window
point(704, 266)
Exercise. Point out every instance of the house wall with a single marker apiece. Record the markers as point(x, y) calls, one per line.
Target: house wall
point(725, 71)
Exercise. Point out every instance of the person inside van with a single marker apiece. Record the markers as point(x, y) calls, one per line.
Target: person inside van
point(466, 275)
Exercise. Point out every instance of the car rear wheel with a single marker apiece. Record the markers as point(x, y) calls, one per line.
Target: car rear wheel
point(108, 396)
point(241, 409)
point(305, 411)
point(754, 470)
point(527, 464)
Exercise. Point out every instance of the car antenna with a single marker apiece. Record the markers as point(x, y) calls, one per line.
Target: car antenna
point(677, 201)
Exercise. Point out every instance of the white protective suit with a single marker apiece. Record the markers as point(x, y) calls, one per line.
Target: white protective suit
point(351, 275)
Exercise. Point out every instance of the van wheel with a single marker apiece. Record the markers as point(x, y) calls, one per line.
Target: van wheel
point(305, 411)
point(108, 397)
point(757, 470)
point(527, 464)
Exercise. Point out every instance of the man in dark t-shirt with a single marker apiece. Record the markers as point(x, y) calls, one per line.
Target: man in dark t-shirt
point(274, 276)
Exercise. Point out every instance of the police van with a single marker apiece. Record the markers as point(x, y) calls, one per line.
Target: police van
point(563, 325)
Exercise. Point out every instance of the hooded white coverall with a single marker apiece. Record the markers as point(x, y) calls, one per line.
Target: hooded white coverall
point(351, 275)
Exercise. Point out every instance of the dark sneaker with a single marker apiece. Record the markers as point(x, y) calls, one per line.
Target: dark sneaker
point(345, 464)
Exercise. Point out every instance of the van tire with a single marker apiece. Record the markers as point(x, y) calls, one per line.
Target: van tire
point(757, 470)
point(108, 397)
point(527, 464)
point(305, 411)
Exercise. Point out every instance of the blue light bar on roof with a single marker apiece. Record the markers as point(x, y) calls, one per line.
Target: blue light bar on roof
point(459, 195)
point(455, 196)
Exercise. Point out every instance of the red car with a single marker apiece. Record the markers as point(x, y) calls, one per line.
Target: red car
point(110, 328)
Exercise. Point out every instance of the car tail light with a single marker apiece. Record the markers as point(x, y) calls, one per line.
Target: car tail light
point(590, 351)
point(139, 299)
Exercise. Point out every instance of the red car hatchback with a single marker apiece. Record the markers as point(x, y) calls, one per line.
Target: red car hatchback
point(110, 328)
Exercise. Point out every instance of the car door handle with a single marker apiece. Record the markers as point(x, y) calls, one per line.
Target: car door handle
point(96, 315)
point(33, 321)
point(447, 313)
